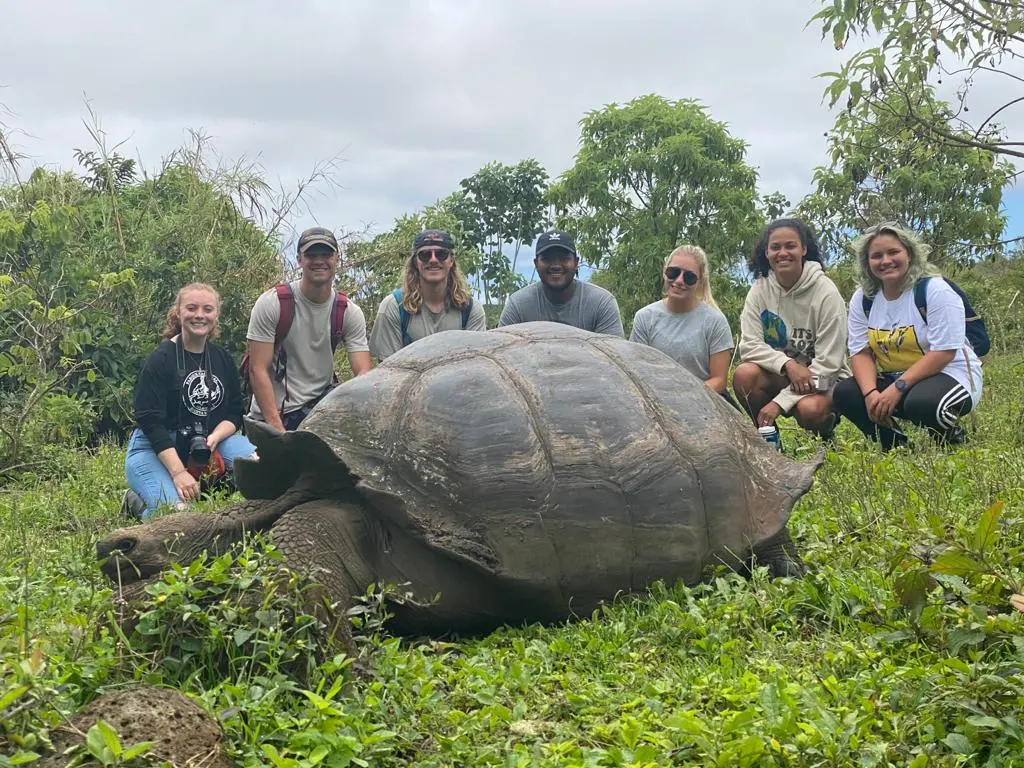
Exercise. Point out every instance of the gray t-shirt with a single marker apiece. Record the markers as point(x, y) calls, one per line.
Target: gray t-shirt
point(386, 334)
point(591, 308)
point(689, 338)
point(310, 365)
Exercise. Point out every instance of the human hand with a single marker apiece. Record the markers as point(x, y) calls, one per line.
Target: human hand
point(882, 405)
point(766, 416)
point(186, 485)
point(800, 377)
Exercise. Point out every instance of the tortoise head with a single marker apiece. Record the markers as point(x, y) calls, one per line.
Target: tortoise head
point(140, 552)
point(292, 468)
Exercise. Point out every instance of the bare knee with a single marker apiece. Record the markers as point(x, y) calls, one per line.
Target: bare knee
point(747, 378)
point(813, 410)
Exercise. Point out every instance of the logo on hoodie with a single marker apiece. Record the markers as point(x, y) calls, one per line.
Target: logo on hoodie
point(800, 347)
point(774, 330)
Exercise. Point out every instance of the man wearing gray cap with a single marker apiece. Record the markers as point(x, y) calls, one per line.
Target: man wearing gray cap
point(560, 297)
point(293, 331)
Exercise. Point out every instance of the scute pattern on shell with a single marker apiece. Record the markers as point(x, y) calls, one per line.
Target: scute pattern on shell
point(559, 461)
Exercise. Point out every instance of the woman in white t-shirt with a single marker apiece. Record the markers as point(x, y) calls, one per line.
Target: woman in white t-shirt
point(905, 366)
point(687, 324)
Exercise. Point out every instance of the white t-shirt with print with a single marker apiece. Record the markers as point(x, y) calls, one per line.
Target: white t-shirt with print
point(899, 337)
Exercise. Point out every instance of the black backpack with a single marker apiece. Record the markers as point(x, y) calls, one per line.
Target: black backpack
point(977, 334)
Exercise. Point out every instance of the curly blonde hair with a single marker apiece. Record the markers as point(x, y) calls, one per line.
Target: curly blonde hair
point(172, 324)
point(917, 256)
point(703, 279)
point(456, 292)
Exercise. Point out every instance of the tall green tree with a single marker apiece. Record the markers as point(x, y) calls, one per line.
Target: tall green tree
point(89, 265)
point(883, 169)
point(927, 41)
point(502, 205)
point(650, 175)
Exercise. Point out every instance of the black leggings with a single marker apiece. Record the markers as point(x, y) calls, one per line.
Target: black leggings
point(935, 403)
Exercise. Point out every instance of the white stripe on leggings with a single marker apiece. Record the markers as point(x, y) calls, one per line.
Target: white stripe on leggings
point(943, 413)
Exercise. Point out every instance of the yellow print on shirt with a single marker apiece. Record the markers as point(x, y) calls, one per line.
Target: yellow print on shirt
point(896, 349)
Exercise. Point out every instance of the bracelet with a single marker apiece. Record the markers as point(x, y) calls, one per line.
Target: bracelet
point(869, 392)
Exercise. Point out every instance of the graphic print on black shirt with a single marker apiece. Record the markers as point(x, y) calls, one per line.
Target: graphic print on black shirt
point(174, 389)
point(200, 397)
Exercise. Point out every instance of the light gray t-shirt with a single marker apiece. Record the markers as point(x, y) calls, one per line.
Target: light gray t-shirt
point(310, 362)
point(386, 334)
point(591, 308)
point(689, 338)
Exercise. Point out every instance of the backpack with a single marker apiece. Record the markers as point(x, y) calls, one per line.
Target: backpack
point(403, 315)
point(286, 299)
point(977, 335)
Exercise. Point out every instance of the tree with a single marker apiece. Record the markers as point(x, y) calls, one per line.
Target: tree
point(882, 170)
point(973, 41)
point(651, 175)
point(374, 268)
point(502, 205)
point(88, 268)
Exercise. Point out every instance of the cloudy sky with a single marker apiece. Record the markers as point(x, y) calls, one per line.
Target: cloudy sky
point(410, 96)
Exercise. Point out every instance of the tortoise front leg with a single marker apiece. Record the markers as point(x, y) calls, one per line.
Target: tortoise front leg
point(326, 542)
point(780, 556)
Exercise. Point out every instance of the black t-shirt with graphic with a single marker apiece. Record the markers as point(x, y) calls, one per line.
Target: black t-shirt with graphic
point(164, 400)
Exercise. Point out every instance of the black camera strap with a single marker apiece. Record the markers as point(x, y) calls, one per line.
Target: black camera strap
point(204, 366)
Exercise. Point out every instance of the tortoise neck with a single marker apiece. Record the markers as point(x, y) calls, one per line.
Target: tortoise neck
point(259, 515)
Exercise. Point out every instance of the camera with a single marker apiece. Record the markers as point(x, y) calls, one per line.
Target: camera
point(192, 438)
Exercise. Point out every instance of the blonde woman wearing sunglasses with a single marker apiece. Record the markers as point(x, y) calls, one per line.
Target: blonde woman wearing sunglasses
point(687, 324)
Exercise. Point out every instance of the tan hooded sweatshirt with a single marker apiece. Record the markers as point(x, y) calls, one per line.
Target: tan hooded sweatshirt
point(806, 323)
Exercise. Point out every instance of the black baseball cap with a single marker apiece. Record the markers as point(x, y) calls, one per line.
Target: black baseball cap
point(317, 236)
point(555, 239)
point(436, 237)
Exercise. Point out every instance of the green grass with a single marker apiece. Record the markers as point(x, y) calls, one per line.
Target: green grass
point(900, 647)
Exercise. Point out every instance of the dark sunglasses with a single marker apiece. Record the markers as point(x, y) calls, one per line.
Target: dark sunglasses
point(427, 254)
point(673, 273)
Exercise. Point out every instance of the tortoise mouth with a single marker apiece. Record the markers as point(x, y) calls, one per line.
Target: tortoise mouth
point(115, 562)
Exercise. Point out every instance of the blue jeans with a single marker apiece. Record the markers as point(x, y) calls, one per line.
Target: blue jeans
point(149, 478)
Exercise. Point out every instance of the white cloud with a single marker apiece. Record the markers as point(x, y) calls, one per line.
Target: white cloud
point(413, 95)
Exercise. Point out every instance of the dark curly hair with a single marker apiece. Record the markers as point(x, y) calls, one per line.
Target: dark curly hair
point(758, 261)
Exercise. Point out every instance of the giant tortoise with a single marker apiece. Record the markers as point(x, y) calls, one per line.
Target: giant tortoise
point(522, 474)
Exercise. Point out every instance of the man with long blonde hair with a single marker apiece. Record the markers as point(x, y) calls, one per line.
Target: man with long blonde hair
point(434, 297)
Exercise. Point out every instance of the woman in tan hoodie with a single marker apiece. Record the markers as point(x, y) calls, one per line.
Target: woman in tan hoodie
point(792, 332)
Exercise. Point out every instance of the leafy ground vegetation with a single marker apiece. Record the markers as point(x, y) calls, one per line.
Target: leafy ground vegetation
point(902, 646)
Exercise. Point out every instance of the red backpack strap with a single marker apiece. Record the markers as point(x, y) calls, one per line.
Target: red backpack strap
point(286, 299)
point(338, 319)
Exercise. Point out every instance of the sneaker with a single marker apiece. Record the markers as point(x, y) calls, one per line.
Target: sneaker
point(828, 431)
point(955, 436)
point(132, 505)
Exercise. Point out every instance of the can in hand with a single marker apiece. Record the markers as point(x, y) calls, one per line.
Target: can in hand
point(822, 382)
point(771, 436)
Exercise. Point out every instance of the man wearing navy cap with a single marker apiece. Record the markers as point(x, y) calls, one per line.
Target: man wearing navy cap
point(434, 297)
point(560, 297)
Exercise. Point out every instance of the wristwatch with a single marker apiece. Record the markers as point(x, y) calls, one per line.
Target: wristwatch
point(901, 386)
